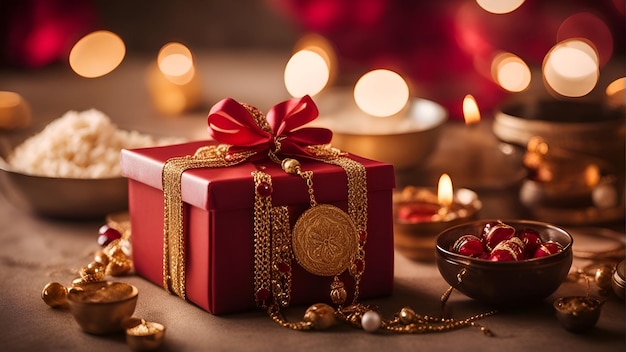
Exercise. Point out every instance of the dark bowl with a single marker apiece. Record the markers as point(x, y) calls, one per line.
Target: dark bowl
point(505, 284)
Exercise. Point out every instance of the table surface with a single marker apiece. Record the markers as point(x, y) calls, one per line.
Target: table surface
point(35, 250)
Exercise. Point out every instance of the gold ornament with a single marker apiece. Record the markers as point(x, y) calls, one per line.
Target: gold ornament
point(325, 240)
point(321, 316)
point(93, 272)
point(55, 295)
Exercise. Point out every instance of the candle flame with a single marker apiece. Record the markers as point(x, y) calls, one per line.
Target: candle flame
point(470, 110)
point(445, 191)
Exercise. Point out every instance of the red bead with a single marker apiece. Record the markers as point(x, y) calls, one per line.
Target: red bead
point(107, 235)
point(264, 189)
point(362, 237)
point(262, 294)
point(357, 267)
point(468, 245)
point(497, 233)
point(284, 267)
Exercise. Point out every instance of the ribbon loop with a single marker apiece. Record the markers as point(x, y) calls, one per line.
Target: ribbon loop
point(281, 132)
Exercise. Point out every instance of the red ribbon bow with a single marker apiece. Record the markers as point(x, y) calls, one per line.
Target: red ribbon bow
point(231, 123)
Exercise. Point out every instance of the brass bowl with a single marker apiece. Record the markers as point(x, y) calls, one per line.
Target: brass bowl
point(578, 313)
point(405, 141)
point(102, 307)
point(588, 128)
point(510, 283)
point(71, 198)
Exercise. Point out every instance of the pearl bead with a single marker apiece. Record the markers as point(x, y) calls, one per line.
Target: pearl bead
point(370, 321)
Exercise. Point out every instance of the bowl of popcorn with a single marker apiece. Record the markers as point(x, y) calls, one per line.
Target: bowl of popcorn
point(70, 169)
point(505, 263)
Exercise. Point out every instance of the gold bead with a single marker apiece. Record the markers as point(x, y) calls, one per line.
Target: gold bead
point(338, 292)
point(93, 272)
point(119, 263)
point(321, 316)
point(55, 295)
point(290, 166)
point(101, 257)
point(604, 276)
point(407, 315)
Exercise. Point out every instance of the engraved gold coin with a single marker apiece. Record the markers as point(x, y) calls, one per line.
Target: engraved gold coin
point(325, 240)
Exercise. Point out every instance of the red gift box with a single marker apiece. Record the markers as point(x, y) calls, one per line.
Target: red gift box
point(218, 213)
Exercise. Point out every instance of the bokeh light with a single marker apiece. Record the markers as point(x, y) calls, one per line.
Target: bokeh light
point(324, 48)
point(510, 72)
point(97, 54)
point(500, 6)
point(176, 63)
point(306, 73)
point(381, 93)
point(571, 68)
point(591, 28)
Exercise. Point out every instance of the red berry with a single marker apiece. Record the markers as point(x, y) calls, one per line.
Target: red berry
point(547, 248)
point(511, 249)
point(530, 238)
point(497, 233)
point(107, 235)
point(468, 245)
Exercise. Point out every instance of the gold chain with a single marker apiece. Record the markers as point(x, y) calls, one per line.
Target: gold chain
point(173, 235)
point(262, 236)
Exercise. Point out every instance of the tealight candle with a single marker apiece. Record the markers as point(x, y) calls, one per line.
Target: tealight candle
point(144, 335)
point(420, 214)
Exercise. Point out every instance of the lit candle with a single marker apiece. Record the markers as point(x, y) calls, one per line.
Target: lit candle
point(420, 214)
point(418, 205)
point(173, 81)
point(144, 335)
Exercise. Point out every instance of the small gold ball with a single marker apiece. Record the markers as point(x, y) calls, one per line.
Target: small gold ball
point(93, 272)
point(54, 294)
point(604, 276)
point(290, 166)
point(321, 316)
point(339, 295)
point(101, 257)
point(407, 315)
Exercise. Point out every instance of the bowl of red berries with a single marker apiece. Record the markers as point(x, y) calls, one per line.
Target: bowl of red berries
point(505, 263)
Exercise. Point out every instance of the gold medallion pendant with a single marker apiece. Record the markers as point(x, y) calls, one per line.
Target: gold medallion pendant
point(325, 240)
